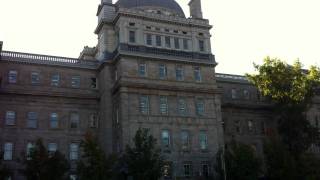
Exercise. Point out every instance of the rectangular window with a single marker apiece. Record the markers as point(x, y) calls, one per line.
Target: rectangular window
point(32, 120)
point(201, 45)
point(74, 151)
point(93, 83)
point(142, 70)
point(10, 118)
point(158, 40)
point(203, 140)
point(163, 105)
point(149, 39)
point(144, 104)
point(185, 44)
point(35, 78)
point(132, 36)
point(167, 170)
point(205, 169)
point(233, 93)
point(55, 80)
point(162, 71)
point(165, 138)
point(74, 120)
point(8, 151)
point(12, 77)
point(176, 43)
point(185, 140)
point(75, 81)
point(52, 148)
point(93, 121)
point(197, 74)
point(54, 120)
point(30, 147)
point(246, 94)
point(200, 107)
point(250, 125)
point(182, 106)
point(187, 169)
point(179, 73)
point(168, 41)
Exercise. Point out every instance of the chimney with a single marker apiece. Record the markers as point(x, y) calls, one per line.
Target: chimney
point(195, 9)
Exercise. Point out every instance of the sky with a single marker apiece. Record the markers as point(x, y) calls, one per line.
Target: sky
point(244, 31)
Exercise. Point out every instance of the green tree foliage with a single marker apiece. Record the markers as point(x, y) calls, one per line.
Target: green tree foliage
point(94, 164)
point(40, 164)
point(4, 170)
point(143, 160)
point(241, 162)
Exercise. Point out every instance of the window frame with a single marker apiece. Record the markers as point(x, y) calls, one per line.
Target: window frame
point(200, 107)
point(176, 41)
point(197, 73)
point(13, 77)
point(149, 40)
point(201, 44)
point(55, 80)
point(73, 151)
point(163, 71)
point(54, 120)
point(144, 104)
point(75, 121)
point(37, 80)
point(32, 121)
point(132, 36)
point(163, 105)
point(8, 152)
point(186, 44)
point(167, 40)
point(142, 71)
point(185, 140)
point(11, 121)
point(182, 107)
point(203, 143)
point(179, 68)
point(165, 141)
point(158, 40)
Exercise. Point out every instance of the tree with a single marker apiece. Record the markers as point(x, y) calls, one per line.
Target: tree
point(143, 160)
point(4, 170)
point(241, 162)
point(94, 164)
point(291, 89)
point(40, 164)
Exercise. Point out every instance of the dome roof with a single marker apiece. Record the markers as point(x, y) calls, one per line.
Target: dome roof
point(168, 4)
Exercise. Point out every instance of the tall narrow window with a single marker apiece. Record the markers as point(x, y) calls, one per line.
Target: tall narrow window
point(162, 71)
point(93, 83)
point(185, 44)
point(250, 125)
point(54, 120)
point(32, 120)
point(233, 93)
point(246, 94)
point(30, 148)
point(179, 73)
point(165, 138)
point(187, 169)
point(52, 148)
point(203, 140)
point(74, 151)
point(74, 120)
point(167, 170)
point(182, 106)
point(185, 140)
point(75, 81)
point(10, 118)
point(168, 41)
point(12, 77)
point(142, 70)
point(8, 151)
point(55, 80)
point(197, 74)
point(176, 43)
point(149, 39)
point(200, 107)
point(201, 45)
point(93, 121)
point(132, 36)
point(144, 104)
point(35, 78)
point(158, 40)
point(205, 169)
point(163, 105)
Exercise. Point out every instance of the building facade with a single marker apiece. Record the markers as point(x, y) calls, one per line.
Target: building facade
point(152, 68)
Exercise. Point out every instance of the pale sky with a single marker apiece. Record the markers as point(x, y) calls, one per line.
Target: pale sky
point(244, 31)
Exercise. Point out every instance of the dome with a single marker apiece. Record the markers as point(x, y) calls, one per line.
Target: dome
point(167, 4)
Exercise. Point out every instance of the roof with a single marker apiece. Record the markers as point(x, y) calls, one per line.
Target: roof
point(168, 4)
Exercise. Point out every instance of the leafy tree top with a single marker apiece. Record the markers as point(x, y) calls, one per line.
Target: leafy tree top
point(284, 83)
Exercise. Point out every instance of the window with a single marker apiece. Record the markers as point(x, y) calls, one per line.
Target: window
point(168, 41)
point(197, 74)
point(32, 120)
point(73, 177)
point(35, 78)
point(185, 44)
point(93, 121)
point(52, 148)
point(205, 169)
point(167, 170)
point(263, 127)
point(238, 126)
point(74, 120)
point(316, 122)
point(132, 24)
point(182, 106)
point(74, 151)
point(187, 169)
point(75, 81)
point(185, 139)
point(10, 118)
point(117, 116)
point(246, 94)
point(54, 120)
point(144, 104)
point(203, 140)
point(165, 138)
point(176, 43)
point(94, 83)
point(201, 45)
point(30, 148)
point(8, 151)
point(233, 93)
point(250, 125)
point(55, 80)
point(200, 107)
point(162, 71)
point(132, 36)
point(179, 73)
point(163, 105)
point(149, 39)
point(12, 77)
point(142, 70)
point(158, 40)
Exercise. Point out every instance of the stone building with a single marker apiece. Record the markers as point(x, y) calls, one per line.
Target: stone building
point(152, 68)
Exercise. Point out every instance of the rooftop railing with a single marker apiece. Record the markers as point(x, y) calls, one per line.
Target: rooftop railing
point(231, 77)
